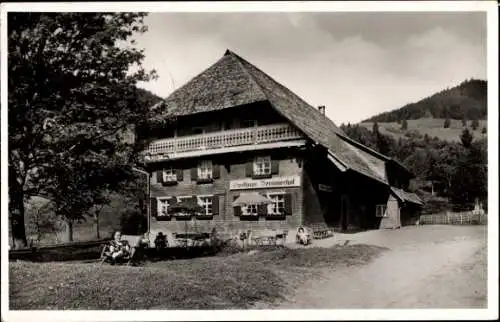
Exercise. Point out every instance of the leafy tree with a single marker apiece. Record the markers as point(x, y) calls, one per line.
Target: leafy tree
point(41, 219)
point(447, 123)
point(72, 93)
point(375, 128)
point(475, 124)
point(470, 178)
point(466, 138)
point(404, 125)
point(464, 122)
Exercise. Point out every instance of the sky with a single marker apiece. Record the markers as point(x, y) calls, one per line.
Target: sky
point(357, 64)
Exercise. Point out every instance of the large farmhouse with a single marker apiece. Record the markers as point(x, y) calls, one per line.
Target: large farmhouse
point(253, 155)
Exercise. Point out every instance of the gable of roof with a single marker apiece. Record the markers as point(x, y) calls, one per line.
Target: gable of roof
point(233, 81)
point(220, 86)
point(375, 153)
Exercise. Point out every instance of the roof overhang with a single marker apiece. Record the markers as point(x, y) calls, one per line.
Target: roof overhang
point(339, 164)
point(401, 167)
point(376, 154)
point(405, 196)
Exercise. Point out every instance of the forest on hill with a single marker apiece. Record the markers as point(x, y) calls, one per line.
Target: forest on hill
point(465, 101)
point(450, 175)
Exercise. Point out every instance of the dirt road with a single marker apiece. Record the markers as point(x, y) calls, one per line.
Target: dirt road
point(426, 267)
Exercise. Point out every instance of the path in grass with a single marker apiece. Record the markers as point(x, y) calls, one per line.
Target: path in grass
point(427, 267)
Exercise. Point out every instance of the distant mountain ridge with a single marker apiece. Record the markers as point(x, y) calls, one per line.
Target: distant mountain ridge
point(467, 100)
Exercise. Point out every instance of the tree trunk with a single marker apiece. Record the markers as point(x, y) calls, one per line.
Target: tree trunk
point(18, 229)
point(69, 230)
point(97, 235)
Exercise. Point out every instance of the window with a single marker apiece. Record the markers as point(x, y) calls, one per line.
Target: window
point(206, 203)
point(248, 123)
point(262, 166)
point(198, 130)
point(380, 210)
point(163, 207)
point(278, 205)
point(205, 170)
point(169, 175)
point(181, 198)
point(249, 210)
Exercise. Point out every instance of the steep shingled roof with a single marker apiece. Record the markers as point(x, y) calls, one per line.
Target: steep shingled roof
point(224, 84)
point(233, 81)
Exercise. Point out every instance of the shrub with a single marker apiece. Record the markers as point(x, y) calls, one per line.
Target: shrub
point(43, 224)
point(435, 205)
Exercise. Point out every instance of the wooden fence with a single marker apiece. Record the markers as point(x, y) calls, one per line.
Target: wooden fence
point(455, 218)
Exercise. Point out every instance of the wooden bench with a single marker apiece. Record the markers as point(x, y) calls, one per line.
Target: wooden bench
point(267, 238)
point(320, 230)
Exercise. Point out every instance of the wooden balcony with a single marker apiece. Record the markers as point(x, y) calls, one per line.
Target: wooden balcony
point(254, 138)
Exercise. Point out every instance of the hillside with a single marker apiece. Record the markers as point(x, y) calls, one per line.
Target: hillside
point(430, 126)
point(469, 100)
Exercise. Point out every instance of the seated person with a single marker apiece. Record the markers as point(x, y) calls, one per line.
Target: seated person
point(302, 236)
point(119, 248)
point(160, 241)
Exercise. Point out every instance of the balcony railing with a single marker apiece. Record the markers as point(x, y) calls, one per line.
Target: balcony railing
point(164, 148)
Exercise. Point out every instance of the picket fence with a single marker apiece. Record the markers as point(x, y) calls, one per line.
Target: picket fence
point(455, 218)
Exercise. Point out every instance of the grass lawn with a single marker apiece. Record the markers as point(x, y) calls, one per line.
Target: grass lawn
point(220, 282)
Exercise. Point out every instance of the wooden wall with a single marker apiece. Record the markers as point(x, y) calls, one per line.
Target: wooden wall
point(231, 166)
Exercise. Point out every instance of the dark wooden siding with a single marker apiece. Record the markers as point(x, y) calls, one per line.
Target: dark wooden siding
point(231, 166)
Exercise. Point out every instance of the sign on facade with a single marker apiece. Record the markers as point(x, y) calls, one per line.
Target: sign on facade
point(278, 182)
point(324, 187)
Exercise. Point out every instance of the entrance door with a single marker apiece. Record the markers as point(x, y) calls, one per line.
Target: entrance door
point(344, 212)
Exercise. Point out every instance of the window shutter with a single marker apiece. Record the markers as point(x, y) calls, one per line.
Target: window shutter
point(275, 167)
point(216, 171)
point(153, 204)
point(262, 209)
point(249, 169)
point(194, 174)
point(180, 174)
point(169, 200)
point(159, 176)
point(288, 203)
point(237, 211)
point(215, 205)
